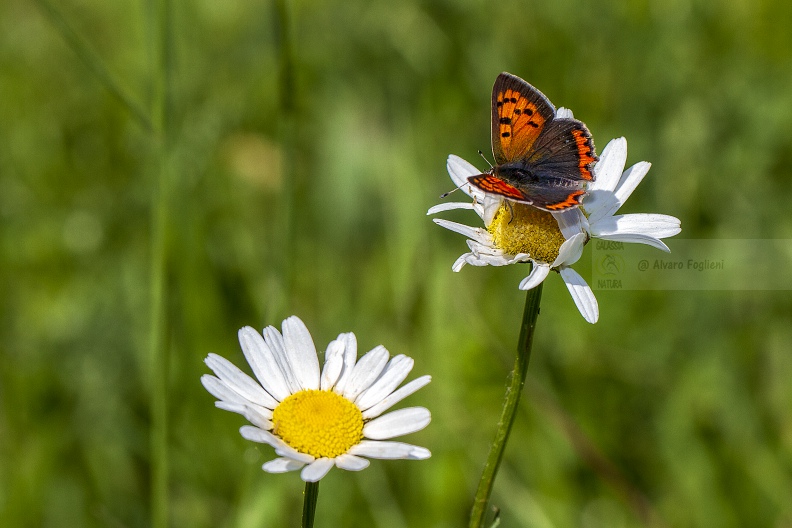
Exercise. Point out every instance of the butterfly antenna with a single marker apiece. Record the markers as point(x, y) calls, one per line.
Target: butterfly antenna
point(485, 158)
point(451, 191)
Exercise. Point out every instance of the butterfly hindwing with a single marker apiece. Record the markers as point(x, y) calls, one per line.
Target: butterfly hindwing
point(556, 198)
point(519, 114)
point(550, 198)
point(492, 184)
point(565, 149)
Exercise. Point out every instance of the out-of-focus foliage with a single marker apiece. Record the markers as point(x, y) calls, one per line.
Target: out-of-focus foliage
point(676, 407)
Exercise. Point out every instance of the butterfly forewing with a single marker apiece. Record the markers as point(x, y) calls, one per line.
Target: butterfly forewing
point(519, 114)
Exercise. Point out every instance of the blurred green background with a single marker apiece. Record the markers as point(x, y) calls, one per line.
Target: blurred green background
point(299, 180)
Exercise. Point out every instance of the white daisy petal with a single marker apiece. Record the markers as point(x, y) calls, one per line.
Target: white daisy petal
point(397, 423)
point(301, 353)
point(366, 371)
point(630, 180)
point(389, 450)
point(351, 462)
point(478, 208)
point(334, 363)
point(538, 274)
point(350, 358)
point(459, 263)
point(479, 249)
point(220, 390)
point(394, 374)
point(274, 341)
point(564, 113)
point(262, 361)
point(600, 199)
point(254, 434)
point(604, 205)
point(282, 465)
point(494, 260)
point(317, 469)
point(581, 294)
point(258, 416)
point(484, 255)
point(520, 257)
point(608, 169)
point(448, 206)
point(571, 222)
point(489, 208)
point(483, 259)
point(654, 225)
point(331, 372)
point(637, 238)
point(471, 232)
point(239, 382)
point(396, 397)
point(570, 251)
point(613, 201)
point(285, 450)
point(460, 170)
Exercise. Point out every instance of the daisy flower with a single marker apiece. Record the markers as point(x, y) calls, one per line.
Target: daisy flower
point(319, 419)
point(516, 232)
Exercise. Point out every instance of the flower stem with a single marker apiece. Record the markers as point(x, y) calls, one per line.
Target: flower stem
point(516, 383)
point(309, 504)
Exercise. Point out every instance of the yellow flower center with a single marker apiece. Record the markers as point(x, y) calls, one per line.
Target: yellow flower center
point(520, 228)
point(319, 423)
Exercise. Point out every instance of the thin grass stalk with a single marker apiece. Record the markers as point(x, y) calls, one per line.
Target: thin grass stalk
point(160, 20)
point(513, 391)
point(95, 64)
point(287, 136)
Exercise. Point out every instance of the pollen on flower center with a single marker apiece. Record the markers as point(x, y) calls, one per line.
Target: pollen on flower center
point(520, 228)
point(319, 423)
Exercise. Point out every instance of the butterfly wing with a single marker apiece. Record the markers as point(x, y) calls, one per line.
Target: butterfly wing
point(542, 161)
point(559, 164)
point(554, 194)
point(519, 114)
point(492, 184)
point(565, 149)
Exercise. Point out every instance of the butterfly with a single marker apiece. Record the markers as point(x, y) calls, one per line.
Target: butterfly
point(541, 159)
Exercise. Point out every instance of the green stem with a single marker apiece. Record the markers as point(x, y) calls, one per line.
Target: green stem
point(513, 392)
point(287, 131)
point(94, 63)
point(309, 504)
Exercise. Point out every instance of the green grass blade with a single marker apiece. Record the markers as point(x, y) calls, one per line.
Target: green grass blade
point(94, 63)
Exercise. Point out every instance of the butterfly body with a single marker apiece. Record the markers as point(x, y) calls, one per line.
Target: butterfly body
point(524, 174)
point(542, 160)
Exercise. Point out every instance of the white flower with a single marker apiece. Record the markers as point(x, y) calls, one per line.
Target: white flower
point(515, 232)
point(605, 196)
point(314, 419)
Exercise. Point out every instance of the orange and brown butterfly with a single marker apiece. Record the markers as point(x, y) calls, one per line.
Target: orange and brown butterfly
point(541, 159)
